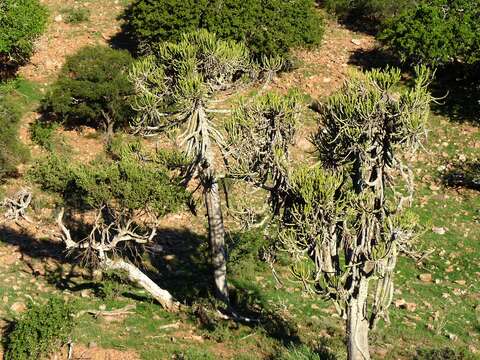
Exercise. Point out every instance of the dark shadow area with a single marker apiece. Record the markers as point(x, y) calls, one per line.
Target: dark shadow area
point(375, 58)
point(124, 39)
point(463, 175)
point(8, 69)
point(458, 90)
point(179, 263)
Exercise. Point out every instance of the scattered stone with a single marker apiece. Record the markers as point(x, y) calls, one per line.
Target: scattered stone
point(399, 303)
point(85, 293)
point(102, 307)
point(410, 306)
point(439, 230)
point(434, 187)
point(58, 18)
point(5, 299)
point(460, 282)
point(425, 277)
point(18, 307)
point(356, 42)
point(327, 80)
point(452, 337)
point(92, 344)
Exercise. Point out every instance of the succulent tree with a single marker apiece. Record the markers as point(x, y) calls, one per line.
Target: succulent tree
point(175, 87)
point(345, 219)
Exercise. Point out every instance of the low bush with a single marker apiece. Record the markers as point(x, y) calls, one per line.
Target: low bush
point(134, 180)
point(39, 331)
point(12, 151)
point(366, 13)
point(92, 89)
point(42, 134)
point(77, 15)
point(21, 22)
point(436, 33)
point(268, 27)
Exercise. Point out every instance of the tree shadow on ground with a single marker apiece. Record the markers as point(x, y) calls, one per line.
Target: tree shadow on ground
point(177, 261)
point(457, 89)
point(463, 175)
point(375, 58)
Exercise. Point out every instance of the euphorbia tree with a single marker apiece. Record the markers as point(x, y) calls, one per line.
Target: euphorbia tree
point(175, 86)
point(344, 219)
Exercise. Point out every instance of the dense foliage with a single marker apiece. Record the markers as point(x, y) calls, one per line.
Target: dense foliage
point(21, 22)
point(92, 89)
point(39, 331)
point(268, 27)
point(133, 180)
point(12, 152)
point(366, 12)
point(436, 32)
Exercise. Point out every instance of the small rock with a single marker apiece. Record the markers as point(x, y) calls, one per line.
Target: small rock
point(18, 307)
point(399, 303)
point(425, 277)
point(58, 18)
point(5, 299)
point(434, 187)
point(327, 80)
point(439, 230)
point(92, 344)
point(356, 41)
point(85, 293)
point(452, 337)
point(411, 307)
point(462, 158)
point(460, 282)
point(102, 307)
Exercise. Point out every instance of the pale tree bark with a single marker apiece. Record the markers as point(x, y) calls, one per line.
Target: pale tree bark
point(216, 230)
point(107, 244)
point(358, 324)
point(136, 276)
point(216, 237)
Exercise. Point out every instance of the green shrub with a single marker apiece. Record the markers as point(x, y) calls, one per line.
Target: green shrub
point(135, 180)
point(42, 134)
point(442, 354)
point(39, 331)
point(77, 15)
point(366, 12)
point(12, 151)
point(53, 174)
point(436, 32)
point(268, 27)
point(92, 89)
point(21, 22)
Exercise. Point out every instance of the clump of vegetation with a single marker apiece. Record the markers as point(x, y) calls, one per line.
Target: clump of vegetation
point(366, 13)
point(92, 89)
point(128, 194)
point(268, 28)
point(441, 354)
point(77, 15)
point(21, 22)
point(43, 134)
point(436, 32)
point(12, 151)
point(40, 330)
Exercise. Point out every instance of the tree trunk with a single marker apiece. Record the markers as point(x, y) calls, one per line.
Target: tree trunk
point(135, 275)
point(358, 324)
point(217, 240)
